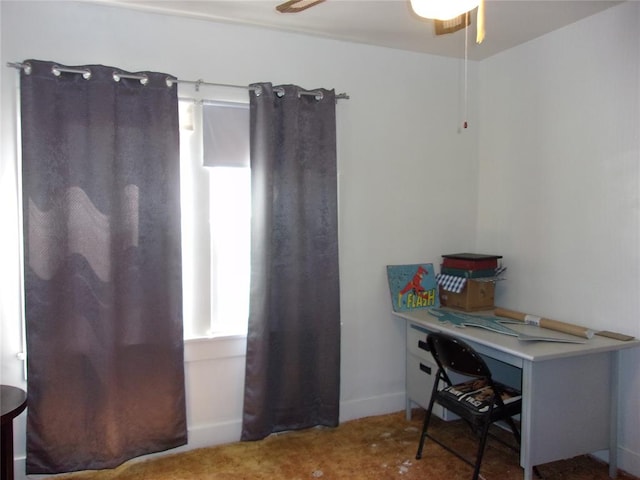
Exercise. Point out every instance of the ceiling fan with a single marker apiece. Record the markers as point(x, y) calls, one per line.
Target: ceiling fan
point(444, 22)
point(295, 6)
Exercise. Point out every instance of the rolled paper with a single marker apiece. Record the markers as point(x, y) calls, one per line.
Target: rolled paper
point(555, 325)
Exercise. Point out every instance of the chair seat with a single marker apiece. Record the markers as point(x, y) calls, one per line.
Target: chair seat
point(476, 397)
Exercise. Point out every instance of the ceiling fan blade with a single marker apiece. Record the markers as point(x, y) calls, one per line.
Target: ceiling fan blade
point(295, 6)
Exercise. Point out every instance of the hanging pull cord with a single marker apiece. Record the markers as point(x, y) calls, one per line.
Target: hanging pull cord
point(466, 60)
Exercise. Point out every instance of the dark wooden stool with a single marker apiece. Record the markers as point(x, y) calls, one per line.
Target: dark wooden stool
point(13, 401)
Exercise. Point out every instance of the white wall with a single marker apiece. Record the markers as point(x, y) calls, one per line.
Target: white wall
point(400, 155)
point(559, 168)
point(554, 187)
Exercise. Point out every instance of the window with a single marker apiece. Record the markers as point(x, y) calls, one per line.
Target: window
point(216, 209)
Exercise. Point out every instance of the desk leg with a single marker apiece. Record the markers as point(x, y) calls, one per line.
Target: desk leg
point(614, 419)
point(6, 447)
point(525, 421)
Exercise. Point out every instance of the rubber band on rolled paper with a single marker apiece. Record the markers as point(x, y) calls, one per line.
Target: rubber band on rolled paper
point(532, 320)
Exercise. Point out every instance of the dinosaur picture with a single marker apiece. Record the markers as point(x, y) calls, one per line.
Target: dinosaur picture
point(413, 286)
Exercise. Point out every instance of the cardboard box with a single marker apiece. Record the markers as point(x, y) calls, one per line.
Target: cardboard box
point(474, 296)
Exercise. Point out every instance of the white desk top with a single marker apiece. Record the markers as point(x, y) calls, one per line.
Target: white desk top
point(535, 351)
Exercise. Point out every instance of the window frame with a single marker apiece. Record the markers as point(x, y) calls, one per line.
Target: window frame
point(198, 259)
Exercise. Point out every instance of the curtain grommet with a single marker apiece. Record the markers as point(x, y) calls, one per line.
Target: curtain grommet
point(57, 71)
point(117, 76)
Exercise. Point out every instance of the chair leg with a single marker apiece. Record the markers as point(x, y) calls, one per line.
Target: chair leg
point(514, 429)
point(481, 448)
point(425, 425)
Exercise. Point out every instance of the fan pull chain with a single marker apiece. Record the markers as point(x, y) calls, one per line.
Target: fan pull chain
point(466, 59)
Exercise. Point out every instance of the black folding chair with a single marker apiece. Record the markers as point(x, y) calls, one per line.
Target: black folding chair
point(480, 401)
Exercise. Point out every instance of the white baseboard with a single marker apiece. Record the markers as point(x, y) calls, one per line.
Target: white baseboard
point(366, 407)
point(629, 461)
point(214, 434)
point(18, 467)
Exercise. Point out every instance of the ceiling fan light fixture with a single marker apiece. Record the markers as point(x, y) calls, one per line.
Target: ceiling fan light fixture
point(442, 9)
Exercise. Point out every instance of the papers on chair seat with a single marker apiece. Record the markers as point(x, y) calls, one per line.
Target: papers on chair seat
point(477, 395)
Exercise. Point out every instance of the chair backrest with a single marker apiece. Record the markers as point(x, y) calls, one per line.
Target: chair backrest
point(453, 354)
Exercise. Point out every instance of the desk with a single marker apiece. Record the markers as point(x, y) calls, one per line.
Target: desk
point(12, 402)
point(569, 391)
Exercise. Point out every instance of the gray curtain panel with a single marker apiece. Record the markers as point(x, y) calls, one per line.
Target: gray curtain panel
point(293, 344)
point(102, 268)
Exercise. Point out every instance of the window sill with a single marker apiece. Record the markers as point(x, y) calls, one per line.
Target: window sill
point(215, 347)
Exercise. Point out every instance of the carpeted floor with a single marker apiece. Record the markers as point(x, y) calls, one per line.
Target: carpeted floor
point(374, 448)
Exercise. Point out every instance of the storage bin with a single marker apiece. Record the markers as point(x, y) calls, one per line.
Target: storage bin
point(474, 296)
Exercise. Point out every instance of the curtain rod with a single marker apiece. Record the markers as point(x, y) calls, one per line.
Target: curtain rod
point(86, 74)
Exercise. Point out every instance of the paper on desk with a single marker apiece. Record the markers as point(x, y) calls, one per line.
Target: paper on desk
point(461, 320)
point(544, 338)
